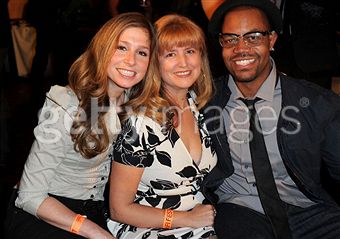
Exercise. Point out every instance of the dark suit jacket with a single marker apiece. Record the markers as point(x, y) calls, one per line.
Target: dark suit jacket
point(308, 133)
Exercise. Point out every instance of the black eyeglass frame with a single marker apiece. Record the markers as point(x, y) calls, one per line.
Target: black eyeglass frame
point(239, 37)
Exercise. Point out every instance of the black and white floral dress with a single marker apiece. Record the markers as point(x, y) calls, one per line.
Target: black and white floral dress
point(171, 179)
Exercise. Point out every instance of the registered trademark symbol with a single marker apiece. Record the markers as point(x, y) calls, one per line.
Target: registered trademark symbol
point(304, 102)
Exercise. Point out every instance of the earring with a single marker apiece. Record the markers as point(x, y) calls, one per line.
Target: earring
point(272, 49)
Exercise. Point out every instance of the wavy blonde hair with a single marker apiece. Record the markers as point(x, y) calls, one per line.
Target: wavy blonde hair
point(173, 30)
point(88, 79)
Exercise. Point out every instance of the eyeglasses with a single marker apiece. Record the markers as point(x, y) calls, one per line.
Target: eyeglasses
point(251, 39)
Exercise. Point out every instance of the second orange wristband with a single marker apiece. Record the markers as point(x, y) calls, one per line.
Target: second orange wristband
point(168, 217)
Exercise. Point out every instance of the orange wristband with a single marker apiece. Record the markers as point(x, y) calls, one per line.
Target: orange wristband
point(168, 217)
point(77, 222)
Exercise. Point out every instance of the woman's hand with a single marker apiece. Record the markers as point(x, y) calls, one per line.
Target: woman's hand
point(201, 215)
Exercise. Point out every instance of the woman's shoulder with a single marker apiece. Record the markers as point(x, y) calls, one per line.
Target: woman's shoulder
point(142, 123)
point(63, 96)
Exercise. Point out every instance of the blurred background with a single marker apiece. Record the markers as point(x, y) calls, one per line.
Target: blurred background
point(39, 39)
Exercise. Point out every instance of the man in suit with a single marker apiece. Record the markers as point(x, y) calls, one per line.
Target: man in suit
point(298, 122)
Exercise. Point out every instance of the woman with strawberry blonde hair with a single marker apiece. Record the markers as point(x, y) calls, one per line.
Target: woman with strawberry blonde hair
point(164, 150)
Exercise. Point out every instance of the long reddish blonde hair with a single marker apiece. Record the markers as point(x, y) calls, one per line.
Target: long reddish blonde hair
point(88, 79)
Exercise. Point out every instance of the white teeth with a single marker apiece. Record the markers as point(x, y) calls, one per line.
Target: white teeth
point(183, 73)
point(244, 62)
point(126, 72)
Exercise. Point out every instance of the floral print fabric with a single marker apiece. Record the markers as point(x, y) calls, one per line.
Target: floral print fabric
point(171, 178)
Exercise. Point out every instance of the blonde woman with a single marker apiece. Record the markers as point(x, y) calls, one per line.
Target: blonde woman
point(61, 191)
point(164, 150)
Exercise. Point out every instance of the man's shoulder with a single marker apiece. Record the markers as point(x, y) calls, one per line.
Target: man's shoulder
point(299, 89)
point(303, 86)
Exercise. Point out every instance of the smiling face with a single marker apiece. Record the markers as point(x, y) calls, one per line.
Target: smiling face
point(248, 64)
point(180, 67)
point(129, 63)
